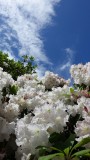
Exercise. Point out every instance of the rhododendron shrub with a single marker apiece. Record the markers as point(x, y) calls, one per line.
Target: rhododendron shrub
point(45, 118)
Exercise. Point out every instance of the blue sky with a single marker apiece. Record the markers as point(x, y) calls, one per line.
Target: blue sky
point(56, 32)
point(71, 30)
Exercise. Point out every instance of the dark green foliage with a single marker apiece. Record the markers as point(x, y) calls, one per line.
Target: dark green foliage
point(71, 151)
point(17, 68)
point(72, 122)
point(61, 140)
point(64, 139)
point(81, 87)
point(8, 148)
point(10, 90)
point(7, 91)
point(25, 112)
point(64, 145)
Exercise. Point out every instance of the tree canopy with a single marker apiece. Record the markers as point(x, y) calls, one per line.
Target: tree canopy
point(17, 68)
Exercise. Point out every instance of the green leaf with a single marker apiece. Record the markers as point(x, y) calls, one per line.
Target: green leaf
point(49, 157)
point(75, 158)
point(82, 142)
point(66, 95)
point(55, 149)
point(55, 137)
point(67, 150)
point(43, 150)
point(87, 155)
point(70, 140)
point(81, 153)
point(17, 68)
point(13, 89)
point(57, 140)
point(72, 90)
point(39, 147)
point(32, 58)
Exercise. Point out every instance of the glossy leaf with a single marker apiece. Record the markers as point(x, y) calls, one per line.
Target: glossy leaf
point(81, 153)
point(82, 142)
point(49, 157)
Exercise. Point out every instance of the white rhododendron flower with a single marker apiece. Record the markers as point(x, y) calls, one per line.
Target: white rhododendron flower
point(6, 129)
point(5, 79)
point(11, 111)
point(81, 73)
point(41, 107)
point(54, 117)
point(53, 80)
point(83, 130)
point(29, 136)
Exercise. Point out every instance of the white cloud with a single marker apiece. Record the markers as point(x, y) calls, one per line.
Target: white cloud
point(40, 71)
point(22, 21)
point(69, 51)
point(64, 66)
point(68, 60)
point(10, 56)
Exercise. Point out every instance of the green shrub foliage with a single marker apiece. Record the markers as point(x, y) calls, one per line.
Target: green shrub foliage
point(17, 68)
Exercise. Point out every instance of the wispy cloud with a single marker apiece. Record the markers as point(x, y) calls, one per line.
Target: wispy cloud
point(64, 68)
point(69, 51)
point(68, 60)
point(21, 22)
point(41, 70)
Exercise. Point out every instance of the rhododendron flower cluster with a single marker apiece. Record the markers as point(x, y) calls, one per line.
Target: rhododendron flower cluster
point(81, 73)
point(41, 107)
